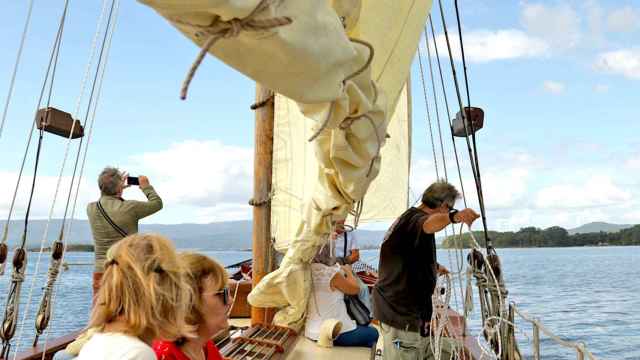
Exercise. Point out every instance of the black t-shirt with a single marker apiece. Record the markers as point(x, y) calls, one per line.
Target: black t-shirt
point(407, 273)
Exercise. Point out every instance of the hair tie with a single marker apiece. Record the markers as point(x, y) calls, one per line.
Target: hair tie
point(158, 270)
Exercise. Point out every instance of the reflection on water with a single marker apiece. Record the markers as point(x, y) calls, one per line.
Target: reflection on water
point(581, 294)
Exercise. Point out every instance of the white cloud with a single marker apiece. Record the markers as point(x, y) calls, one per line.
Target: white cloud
point(595, 21)
point(625, 62)
point(216, 179)
point(601, 88)
point(492, 45)
point(43, 196)
point(625, 19)
point(633, 163)
point(558, 25)
point(422, 174)
point(554, 87)
point(599, 190)
point(504, 188)
point(223, 212)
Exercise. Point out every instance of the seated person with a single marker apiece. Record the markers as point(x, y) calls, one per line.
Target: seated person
point(330, 283)
point(347, 252)
point(345, 239)
point(143, 297)
point(207, 314)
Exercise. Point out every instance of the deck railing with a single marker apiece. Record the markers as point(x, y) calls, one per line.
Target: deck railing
point(582, 352)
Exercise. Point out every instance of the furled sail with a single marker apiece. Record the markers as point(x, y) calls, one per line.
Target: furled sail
point(295, 170)
point(301, 50)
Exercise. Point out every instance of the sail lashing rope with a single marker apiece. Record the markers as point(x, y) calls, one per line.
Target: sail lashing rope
point(43, 315)
point(220, 29)
point(12, 307)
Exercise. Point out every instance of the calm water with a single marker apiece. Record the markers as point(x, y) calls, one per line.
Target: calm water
point(581, 294)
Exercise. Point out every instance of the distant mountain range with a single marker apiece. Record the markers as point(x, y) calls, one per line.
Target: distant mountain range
point(229, 235)
point(595, 227)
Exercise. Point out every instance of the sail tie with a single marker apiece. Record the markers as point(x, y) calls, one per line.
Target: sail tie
point(262, 103)
point(325, 123)
point(261, 202)
point(346, 123)
point(221, 29)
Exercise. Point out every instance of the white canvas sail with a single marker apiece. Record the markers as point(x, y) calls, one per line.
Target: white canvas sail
point(295, 170)
point(346, 87)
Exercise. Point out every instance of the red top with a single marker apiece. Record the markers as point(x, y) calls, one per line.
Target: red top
point(167, 350)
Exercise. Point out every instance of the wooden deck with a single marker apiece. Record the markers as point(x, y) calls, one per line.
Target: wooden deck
point(301, 347)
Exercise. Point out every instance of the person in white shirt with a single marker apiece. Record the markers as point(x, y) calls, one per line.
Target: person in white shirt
point(345, 239)
point(330, 284)
point(143, 297)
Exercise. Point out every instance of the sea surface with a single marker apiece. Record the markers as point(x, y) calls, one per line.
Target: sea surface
point(589, 294)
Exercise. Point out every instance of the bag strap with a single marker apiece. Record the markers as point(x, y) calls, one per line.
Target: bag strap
point(113, 224)
point(346, 240)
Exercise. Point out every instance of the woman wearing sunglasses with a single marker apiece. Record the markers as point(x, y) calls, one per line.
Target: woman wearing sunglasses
point(209, 307)
point(143, 296)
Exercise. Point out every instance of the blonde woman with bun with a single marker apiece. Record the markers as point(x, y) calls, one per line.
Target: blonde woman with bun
point(209, 306)
point(143, 297)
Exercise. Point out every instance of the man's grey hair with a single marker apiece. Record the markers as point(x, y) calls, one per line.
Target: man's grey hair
point(438, 193)
point(109, 181)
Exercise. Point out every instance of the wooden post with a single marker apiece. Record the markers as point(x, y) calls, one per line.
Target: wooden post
point(536, 341)
point(263, 158)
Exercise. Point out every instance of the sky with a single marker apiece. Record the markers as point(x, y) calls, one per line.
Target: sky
point(558, 81)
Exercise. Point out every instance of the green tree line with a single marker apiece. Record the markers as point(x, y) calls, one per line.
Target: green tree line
point(554, 236)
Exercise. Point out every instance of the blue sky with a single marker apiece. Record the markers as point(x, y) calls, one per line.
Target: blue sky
point(558, 81)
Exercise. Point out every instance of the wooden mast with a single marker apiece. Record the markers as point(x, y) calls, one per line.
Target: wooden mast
point(263, 159)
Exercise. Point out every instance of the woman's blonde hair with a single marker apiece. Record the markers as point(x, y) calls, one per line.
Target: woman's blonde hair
point(198, 269)
point(143, 285)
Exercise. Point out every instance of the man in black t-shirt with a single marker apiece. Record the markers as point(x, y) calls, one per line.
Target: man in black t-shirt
point(408, 272)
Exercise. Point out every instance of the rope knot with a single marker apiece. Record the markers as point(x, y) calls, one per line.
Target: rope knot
point(227, 29)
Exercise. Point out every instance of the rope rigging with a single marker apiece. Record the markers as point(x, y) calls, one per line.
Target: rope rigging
point(446, 103)
point(491, 297)
point(426, 102)
point(15, 67)
point(58, 248)
point(11, 312)
point(435, 101)
point(53, 59)
point(466, 122)
point(459, 256)
point(483, 213)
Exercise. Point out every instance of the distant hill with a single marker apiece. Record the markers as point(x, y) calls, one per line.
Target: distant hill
point(554, 236)
point(595, 227)
point(228, 235)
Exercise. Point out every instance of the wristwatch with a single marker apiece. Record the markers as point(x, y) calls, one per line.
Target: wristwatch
point(452, 214)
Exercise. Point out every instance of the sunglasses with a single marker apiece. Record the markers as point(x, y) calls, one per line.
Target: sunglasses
point(224, 293)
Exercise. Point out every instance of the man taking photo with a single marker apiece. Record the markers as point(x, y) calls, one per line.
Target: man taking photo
point(112, 218)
